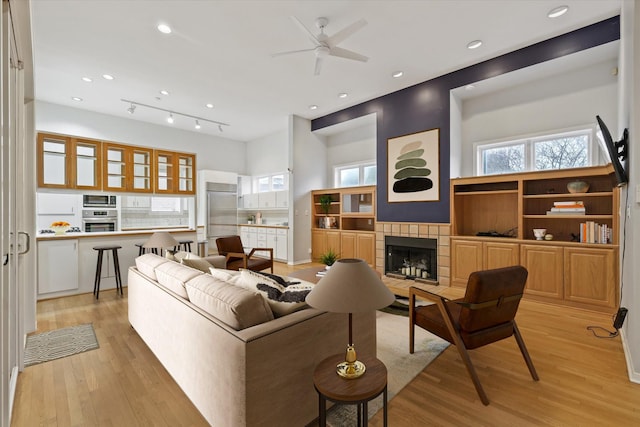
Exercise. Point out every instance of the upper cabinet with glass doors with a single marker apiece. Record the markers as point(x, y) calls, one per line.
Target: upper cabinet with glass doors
point(175, 172)
point(67, 162)
point(128, 168)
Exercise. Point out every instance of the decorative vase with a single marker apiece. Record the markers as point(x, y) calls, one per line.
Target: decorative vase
point(578, 187)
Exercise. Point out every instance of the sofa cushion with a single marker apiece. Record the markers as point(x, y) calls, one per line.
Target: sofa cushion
point(283, 296)
point(197, 263)
point(147, 263)
point(229, 276)
point(173, 276)
point(237, 307)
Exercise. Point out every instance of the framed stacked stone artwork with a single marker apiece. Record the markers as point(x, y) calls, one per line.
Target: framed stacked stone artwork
point(413, 167)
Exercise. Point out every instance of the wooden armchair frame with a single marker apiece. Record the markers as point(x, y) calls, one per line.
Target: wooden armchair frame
point(248, 261)
point(456, 338)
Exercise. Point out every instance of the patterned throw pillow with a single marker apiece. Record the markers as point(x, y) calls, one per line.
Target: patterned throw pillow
point(283, 296)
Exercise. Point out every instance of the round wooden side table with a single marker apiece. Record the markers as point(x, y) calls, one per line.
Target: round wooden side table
point(358, 391)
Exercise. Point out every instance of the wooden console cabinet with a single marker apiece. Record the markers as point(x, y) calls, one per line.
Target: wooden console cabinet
point(352, 223)
point(561, 271)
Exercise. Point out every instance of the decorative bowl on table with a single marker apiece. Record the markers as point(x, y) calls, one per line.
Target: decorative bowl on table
point(539, 233)
point(60, 227)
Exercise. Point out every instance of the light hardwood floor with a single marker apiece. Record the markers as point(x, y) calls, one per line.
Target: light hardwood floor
point(583, 379)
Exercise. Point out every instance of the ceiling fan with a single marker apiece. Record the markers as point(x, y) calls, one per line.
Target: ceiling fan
point(328, 46)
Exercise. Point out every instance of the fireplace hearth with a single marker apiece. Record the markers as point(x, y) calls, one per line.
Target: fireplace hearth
point(411, 257)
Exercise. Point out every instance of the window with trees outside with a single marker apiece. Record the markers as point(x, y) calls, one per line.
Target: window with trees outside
point(558, 151)
point(355, 175)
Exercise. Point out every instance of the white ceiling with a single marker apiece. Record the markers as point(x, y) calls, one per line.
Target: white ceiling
point(220, 52)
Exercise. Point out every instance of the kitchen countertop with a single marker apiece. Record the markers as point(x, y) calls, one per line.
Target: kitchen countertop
point(82, 234)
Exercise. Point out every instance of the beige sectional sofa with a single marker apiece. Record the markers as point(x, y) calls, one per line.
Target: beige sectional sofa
point(238, 363)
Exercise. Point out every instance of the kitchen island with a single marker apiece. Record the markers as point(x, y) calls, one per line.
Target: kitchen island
point(67, 262)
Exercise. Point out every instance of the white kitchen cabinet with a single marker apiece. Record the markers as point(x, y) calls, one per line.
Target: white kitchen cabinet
point(250, 201)
point(58, 203)
point(267, 200)
point(244, 236)
point(136, 202)
point(277, 239)
point(57, 266)
point(282, 199)
point(261, 241)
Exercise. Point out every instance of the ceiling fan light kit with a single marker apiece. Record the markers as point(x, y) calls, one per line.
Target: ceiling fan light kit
point(328, 45)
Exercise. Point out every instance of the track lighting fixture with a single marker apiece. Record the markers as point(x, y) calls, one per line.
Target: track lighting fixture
point(134, 104)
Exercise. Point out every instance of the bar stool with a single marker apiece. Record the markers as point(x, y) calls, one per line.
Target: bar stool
point(142, 250)
point(186, 245)
point(116, 264)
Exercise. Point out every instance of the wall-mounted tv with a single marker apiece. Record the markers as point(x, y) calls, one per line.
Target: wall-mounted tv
point(615, 151)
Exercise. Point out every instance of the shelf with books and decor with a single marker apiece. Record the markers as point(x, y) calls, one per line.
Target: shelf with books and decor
point(486, 210)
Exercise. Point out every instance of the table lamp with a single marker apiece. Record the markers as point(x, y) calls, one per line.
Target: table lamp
point(350, 286)
point(162, 240)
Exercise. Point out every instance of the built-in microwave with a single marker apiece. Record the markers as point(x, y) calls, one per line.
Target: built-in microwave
point(98, 201)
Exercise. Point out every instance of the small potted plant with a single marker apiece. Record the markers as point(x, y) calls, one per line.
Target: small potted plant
point(328, 258)
point(325, 205)
point(251, 218)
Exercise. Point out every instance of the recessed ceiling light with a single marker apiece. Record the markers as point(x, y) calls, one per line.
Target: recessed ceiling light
point(469, 87)
point(164, 92)
point(558, 11)
point(209, 105)
point(164, 28)
point(474, 44)
point(313, 107)
point(87, 79)
point(75, 98)
point(107, 76)
point(342, 95)
point(397, 74)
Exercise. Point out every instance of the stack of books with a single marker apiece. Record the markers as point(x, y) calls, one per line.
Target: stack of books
point(567, 208)
point(591, 232)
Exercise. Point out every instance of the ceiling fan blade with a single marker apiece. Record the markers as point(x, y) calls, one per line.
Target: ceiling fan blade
point(347, 54)
point(305, 30)
point(318, 65)
point(346, 32)
point(289, 52)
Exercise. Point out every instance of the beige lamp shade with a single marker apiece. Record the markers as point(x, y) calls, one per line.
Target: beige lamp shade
point(350, 286)
point(160, 239)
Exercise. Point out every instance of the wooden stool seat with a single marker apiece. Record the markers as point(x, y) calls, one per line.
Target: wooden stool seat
point(185, 245)
point(116, 265)
point(142, 250)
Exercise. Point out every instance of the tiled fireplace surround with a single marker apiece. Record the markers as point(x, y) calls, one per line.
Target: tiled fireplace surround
point(420, 230)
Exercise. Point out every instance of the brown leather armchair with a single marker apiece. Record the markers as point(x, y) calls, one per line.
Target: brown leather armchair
point(231, 247)
point(485, 315)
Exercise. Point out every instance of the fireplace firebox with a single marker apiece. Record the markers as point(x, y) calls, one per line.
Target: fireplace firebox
point(411, 257)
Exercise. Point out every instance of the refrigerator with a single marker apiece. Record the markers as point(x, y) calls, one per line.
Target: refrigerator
point(222, 211)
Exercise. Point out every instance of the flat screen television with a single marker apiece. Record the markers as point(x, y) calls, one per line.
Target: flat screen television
point(615, 151)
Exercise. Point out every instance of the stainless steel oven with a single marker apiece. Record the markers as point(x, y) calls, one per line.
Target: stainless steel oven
point(104, 201)
point(99, 220)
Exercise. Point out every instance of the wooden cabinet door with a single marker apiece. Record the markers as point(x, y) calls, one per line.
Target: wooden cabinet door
point(466, 257)
point(318, 243)
point(348, 245)
point(141, 170)
point(87, 164)
point(54, 161)
point(366, 244)
point(185, 171)
point(544, 264)
point(497, 255)
point(590, 276)
point(164, 171)
point(333, 241)
point(115, 167)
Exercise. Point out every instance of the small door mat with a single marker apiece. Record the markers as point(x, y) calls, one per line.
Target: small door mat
point(59, 343)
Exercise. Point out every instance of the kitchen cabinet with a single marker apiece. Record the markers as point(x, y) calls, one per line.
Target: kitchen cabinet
point(174, 172)
point(277, 239)
point(127, 168)
point(282, 199)
point(67, 162)
point(267, 200)
point(57, 266)
point(136, 202)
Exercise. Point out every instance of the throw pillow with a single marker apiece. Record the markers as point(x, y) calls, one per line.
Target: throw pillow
point(283, 296)
point(197, 263)
point(222, 274)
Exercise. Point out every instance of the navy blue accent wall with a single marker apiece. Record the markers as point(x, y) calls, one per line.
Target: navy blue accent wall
point(426, 106)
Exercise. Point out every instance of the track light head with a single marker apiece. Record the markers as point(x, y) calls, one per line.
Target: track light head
point(131, 109)
point(170, 118)
point(197, 126)
point(220, 128)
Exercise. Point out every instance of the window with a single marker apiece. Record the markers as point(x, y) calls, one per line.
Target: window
point(355, 175)
point(166, 204)
point(275, 182)
point(559, 151)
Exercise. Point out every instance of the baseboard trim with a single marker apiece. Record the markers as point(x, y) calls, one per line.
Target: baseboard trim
point(13, 384)
point(634, 376)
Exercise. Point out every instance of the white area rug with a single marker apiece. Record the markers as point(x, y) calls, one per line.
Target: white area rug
point(402, 367)
point(59, 343)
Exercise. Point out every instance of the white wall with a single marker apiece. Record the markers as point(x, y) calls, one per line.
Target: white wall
point(212, 152)
point(352, 146)
point(547, 105)
point(309, 155)
point(267, 155)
